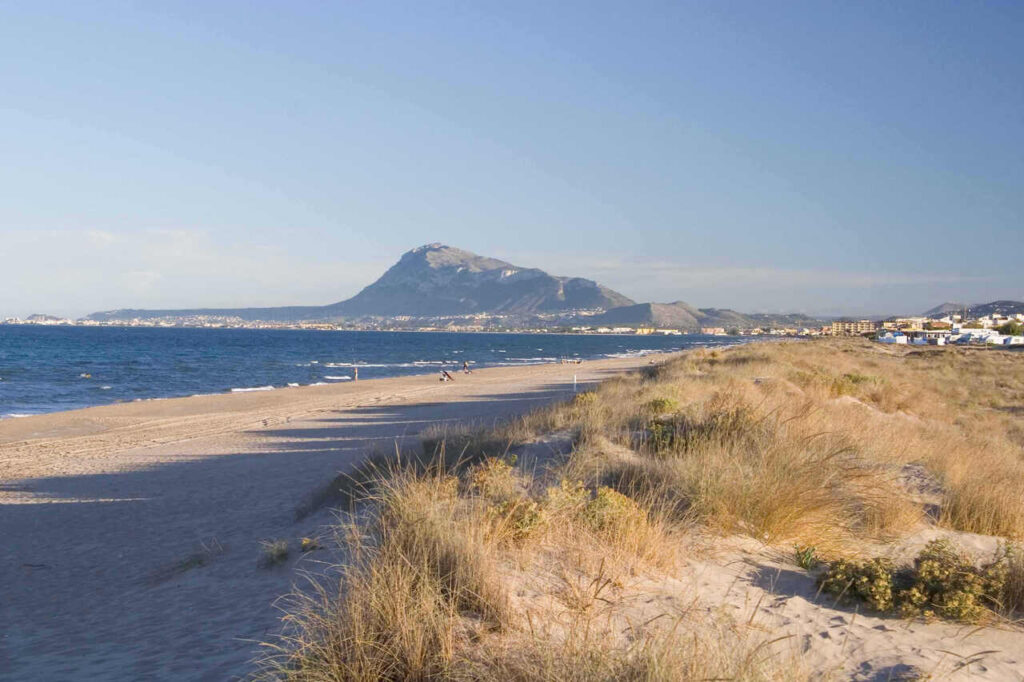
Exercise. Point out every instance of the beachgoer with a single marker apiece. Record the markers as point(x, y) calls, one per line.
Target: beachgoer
point(447, 376)
point(465, 367)
point(355, 374)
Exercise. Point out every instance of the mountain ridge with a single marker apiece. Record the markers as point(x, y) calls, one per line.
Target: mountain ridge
point(1001, 307)
point(682, 315)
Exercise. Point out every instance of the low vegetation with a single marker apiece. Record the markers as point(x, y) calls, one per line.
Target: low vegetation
point(942, 582)
point(465, 562)
point(274, 552)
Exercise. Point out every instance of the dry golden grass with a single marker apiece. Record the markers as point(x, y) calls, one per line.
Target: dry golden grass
point(469, 567)
point(427, 590)
point(805, 440)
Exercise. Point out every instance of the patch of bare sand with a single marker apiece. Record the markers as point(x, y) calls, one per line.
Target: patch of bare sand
point(762, 595)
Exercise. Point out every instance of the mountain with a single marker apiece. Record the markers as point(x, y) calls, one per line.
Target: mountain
point(437, 280)
point(676, 315)
point(945, 309)
point(996, 308)
point(432, 280)
point(978, 309)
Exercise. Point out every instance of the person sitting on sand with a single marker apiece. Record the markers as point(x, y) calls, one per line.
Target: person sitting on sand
point(445, 376)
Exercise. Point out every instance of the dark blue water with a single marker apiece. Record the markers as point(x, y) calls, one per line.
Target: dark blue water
point(45, 369)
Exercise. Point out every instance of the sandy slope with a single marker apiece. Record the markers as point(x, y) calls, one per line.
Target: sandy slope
point(105, 512)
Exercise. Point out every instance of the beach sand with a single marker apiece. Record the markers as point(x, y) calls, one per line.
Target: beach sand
point(131, 533)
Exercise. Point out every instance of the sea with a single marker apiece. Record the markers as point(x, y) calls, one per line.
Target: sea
point(51, 368)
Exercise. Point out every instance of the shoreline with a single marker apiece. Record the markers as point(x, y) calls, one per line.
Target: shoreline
point(81, 381)
point(43, 425)
point(133, 533)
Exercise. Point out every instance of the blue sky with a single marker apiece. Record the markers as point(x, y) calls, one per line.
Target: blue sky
point(857, 157)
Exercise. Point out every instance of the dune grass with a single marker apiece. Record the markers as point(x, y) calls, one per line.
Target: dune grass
point(464, 564)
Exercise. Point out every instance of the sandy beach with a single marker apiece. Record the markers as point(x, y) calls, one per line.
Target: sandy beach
point(132, 533)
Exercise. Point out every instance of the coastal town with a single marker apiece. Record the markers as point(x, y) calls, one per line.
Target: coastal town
point(957, 328)
point(993, 330)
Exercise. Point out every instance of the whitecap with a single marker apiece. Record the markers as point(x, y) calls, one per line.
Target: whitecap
point(341, 378)
point(254, 388)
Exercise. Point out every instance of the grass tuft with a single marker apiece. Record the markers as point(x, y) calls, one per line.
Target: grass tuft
point(274, 553)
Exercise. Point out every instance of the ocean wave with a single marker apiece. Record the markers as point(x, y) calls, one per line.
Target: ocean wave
point(388, 365)
point(292, 384)
point(15, 415)
point(105, 388)
point(359, 364)
point(340, 378)
point(519, 362)
point(632, 353)
point(254, 388)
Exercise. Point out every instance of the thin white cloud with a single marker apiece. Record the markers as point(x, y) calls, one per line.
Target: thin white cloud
point(140, 281)
point(75, 272)
point(100, 237)
point(643, 275)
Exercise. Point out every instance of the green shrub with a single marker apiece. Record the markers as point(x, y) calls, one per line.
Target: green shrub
point(942, 582)
point(495, 479)
point(661, 435)
point(661, 405)
point(275, 552)
point(310, 544)
point(805, 557)
point(869, 581)
point(948, 584)
point(568, 498)
point(517, 519)
point(611, 511)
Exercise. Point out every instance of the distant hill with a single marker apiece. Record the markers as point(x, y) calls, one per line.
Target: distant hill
point(680, 315)
point(978, 309)
point(676, 315)
point(432, 280)
point(945, 309)
point(996, 307)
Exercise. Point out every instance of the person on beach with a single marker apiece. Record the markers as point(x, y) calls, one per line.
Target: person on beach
point(355, 374)
point(465, 367)
point(445, 376)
